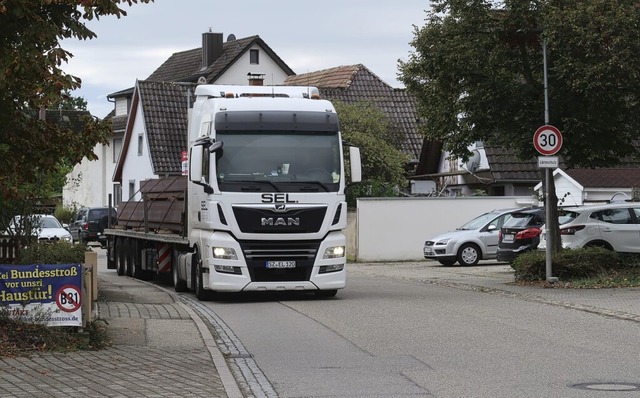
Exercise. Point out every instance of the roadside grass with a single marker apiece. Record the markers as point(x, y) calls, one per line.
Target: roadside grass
point(586, 268)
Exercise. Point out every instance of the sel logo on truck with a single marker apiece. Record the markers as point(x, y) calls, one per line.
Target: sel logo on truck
point(276, 198)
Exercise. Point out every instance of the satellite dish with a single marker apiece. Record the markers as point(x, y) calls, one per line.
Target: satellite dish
point(231, 37)
point(202, 80)
point(474, 161)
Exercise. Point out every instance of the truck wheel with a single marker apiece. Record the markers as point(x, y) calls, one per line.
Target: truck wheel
point(111, 257)
point(201, 293)
point(136, 264)
point(326, 293)
point(120, 256)
point(469, 255)
point(179, 285)
point(128, 247)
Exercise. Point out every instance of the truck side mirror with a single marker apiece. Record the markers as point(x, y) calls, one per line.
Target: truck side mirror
point(356, 164)
point(196, 156)
point(195, 163)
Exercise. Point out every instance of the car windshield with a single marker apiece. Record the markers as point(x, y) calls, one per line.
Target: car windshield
point(521, 220)
point(479, 221)
point(49, 222)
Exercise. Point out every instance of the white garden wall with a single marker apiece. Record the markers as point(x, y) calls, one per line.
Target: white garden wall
point(395, 229)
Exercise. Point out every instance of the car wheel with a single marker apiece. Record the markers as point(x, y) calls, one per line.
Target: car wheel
point(447, 263)
point(469, 255)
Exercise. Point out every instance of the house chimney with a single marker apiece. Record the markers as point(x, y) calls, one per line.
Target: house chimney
point(211, 48)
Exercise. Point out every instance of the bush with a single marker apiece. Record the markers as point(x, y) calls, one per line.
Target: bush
point(64, 214)
point(569, 264)
point(52, 253)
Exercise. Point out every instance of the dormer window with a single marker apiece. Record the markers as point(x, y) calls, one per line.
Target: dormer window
point(254, 57)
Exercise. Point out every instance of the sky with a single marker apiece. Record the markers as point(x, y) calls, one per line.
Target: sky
point(307, 35)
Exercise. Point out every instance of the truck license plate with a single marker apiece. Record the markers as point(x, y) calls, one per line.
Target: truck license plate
point(508, 238)
point(281, 264)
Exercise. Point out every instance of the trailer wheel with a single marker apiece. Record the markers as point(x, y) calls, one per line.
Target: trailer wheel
point(128, 247)
point(201, 293)
point(179, 285)
point(136, 262)
point(120, 256)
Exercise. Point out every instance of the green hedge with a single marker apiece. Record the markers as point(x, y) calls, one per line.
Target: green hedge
point(52, 253)
point(568, 264)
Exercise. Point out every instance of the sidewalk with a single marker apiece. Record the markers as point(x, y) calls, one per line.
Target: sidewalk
point(161, 348)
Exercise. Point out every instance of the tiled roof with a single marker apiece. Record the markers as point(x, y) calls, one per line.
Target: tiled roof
point(353, 83)
point(606, 177)
point(165, 107)
point(186, 66)
point(505, 166)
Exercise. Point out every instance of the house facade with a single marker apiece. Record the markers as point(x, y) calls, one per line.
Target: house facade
point(234, 61)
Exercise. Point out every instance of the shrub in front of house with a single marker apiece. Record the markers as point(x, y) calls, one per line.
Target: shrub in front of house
point(52, 253)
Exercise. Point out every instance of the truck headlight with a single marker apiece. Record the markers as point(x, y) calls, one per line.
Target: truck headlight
point(334, 252)
point(224, 253)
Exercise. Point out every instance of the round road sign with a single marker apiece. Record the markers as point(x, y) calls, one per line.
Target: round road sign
point(547, 140)
point(68, 298)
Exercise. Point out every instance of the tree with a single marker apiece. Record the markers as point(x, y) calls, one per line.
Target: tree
point(70, 103)
point(31, 79)
point(367, 127)
point(33, 151)
point(477, 71)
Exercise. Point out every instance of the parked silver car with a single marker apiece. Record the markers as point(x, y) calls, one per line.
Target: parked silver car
point(612, 226)
point(474, 241)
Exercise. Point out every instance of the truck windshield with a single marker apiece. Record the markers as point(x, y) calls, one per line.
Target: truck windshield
point(273, 161)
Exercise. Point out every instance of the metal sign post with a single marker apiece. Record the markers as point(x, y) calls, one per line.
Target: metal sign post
point(547, 140)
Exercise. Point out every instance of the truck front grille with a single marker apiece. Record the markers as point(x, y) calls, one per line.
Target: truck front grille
point(257, 254)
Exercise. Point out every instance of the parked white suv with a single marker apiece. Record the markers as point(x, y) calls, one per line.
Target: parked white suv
point(612, 226)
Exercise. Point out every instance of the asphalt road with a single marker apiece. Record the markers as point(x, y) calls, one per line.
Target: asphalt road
point(398, 334)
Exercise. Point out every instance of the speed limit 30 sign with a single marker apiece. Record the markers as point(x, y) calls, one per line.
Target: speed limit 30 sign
point(547, 140)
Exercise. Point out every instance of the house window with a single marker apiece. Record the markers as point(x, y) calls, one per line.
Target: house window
point(132, 189)
point(116, 148)
point(139, 144)
point(117, 194)
point(254, 57)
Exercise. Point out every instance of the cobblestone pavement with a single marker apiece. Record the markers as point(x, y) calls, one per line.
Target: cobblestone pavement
point(157, 352)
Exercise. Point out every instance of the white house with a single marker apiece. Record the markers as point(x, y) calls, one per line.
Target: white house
point(576, 187)
point(234, 61)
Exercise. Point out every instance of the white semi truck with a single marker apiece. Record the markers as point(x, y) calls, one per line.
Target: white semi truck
point(263, 208)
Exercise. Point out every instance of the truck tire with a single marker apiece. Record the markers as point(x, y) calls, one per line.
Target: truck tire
point(128, 268)
point(179, 285)
point(120, 256)
point(326, 293)
point(201, 293)
point(136, 262)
